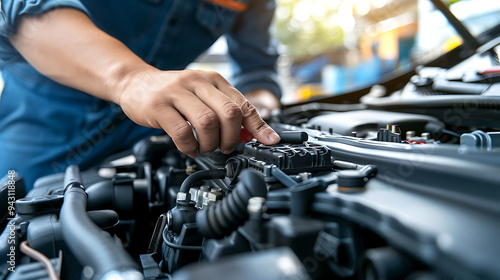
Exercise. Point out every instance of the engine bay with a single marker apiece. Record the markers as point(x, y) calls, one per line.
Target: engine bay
point(402, 185)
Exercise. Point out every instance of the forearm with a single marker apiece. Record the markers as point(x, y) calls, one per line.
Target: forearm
point(65, 45)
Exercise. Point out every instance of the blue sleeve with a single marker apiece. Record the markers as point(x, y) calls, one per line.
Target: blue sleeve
point(12, 10)
point(252, 50)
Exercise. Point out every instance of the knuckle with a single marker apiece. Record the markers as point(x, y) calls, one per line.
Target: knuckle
point(208, 120)
point(155, 107)
point(215, 75)
point(151, 121)
point(190, 75)
point(259, 126)
point(248, 109)
point(155, 102)
point(189, 72)
point(231, 111)
point(181, 133)
point(218, 79)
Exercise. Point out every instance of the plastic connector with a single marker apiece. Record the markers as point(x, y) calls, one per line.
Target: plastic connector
point(480, 140)
point(294, 137)
point(385, 135)
point(290, 158)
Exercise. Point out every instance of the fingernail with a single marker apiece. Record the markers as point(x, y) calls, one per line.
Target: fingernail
point(227, 151)
point(274, 137)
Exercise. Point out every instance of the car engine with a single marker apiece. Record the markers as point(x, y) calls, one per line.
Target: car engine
point(404, 185)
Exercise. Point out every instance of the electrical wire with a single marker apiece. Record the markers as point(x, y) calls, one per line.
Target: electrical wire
point(176, 246)
point(452, 133)
point(51, 271)
point(182, 247)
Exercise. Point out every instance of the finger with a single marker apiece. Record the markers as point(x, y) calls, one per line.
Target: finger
point(229, 113)
point(256, 126)
point(177, 127)
point(204, 120)
point(251, 118)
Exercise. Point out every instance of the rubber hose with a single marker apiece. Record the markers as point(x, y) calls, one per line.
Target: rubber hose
point(222, 218)
point(92, 246)
point(201, 175)
point(72, 176)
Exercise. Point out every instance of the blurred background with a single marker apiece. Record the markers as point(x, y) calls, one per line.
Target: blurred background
point(330, 47)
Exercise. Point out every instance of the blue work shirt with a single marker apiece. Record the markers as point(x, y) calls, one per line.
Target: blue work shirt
point(45, 126)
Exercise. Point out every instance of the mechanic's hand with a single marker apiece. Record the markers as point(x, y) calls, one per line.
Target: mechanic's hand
point(214, 108)
point(264, 100)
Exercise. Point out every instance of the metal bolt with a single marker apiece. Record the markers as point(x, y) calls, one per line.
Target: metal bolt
point(193, 194)
point(394, 128)
point(410, 134)
point(204, 189)
point(88, 272)
point(217, 193)
point(182, 196)
point(256, 205)
point(190, 169)
point(426, 135)
point(305, 175)
point(211, 199)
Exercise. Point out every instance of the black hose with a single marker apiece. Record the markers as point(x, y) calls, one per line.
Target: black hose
point(201, 175)
point(92, 246)
point(73, 177)
point(152, 148)
point(225, 216)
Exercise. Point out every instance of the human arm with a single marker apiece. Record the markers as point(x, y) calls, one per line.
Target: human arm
point(68, 48)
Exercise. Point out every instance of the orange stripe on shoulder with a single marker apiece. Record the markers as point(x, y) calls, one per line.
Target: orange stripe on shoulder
point(230, 4)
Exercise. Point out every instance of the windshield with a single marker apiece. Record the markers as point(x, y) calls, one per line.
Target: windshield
point(331, 47)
